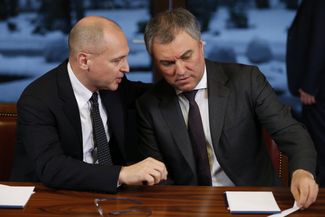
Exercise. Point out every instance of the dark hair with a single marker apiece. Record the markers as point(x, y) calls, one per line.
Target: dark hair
point(167, 24)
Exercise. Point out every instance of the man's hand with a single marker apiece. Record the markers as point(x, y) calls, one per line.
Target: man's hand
point(306, 98)
point(149, 171)
point(304, 188)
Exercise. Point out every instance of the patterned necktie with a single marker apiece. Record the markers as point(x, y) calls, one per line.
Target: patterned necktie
point(199, 143)
point(100, 139)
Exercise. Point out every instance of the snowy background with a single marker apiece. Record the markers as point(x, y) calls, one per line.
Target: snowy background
point(25, 56)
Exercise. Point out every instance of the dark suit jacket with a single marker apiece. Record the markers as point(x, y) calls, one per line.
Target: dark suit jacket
point(241, 102)
point(49, 141)
point(306, 49)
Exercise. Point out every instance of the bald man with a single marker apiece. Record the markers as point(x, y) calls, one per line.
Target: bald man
point(55, 141)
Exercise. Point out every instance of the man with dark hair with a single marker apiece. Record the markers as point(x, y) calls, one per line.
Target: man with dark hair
point(204, 119)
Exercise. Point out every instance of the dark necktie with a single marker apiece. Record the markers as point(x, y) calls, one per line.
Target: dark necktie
point(100, 139)
point(198, 140)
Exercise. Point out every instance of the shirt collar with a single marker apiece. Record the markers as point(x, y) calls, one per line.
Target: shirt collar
point(203, 83)
point(81, 93)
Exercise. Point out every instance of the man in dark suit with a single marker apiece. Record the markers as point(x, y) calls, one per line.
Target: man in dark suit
point(306, 72)
point(235, 102)
point(56, 141)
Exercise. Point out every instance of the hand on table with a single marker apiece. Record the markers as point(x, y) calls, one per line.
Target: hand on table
point(304, 188)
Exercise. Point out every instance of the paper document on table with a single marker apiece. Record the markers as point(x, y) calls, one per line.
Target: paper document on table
point(250, 202)
point(15, 196)
point(286, 212)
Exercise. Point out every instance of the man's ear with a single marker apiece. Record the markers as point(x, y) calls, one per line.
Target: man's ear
point(83, 60)
point(202, 45)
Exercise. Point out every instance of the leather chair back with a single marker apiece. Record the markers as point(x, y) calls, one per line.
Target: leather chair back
point(8, 117)
point(279, 160)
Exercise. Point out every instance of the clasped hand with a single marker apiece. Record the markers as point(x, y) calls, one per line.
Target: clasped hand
point(148, 171)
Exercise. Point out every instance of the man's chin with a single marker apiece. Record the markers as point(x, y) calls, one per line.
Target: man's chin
point(111, 87)
point(185, 88)
point(114, 87)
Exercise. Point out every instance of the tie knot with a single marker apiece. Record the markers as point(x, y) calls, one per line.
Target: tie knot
point(94, 98)
point(190, 96)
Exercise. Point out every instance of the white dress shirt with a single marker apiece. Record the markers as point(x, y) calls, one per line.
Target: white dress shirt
point(219, 178)
point(83, 95)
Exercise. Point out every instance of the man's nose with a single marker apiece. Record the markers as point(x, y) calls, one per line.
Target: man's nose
point(180, 68)
point(125, 66)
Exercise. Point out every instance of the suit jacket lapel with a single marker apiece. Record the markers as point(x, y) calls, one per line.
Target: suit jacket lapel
point(113, 104)
point(70, 106)
point(110, 99)
point(218, 98)
point(173, 116)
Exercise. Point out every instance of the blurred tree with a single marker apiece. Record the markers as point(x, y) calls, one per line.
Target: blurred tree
point(237, 14)
point(56, 15)
point(3, 10)
point(292, 4)
point(8, 8)
point(262, 4)
point(12, 7)
point(203, 11)
point(95, 4)
point(77, 10)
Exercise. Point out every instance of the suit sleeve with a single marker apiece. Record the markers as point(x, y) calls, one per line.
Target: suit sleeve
point(163, 133)
point(133, 90)
point(291, 136)
point(147, 140)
